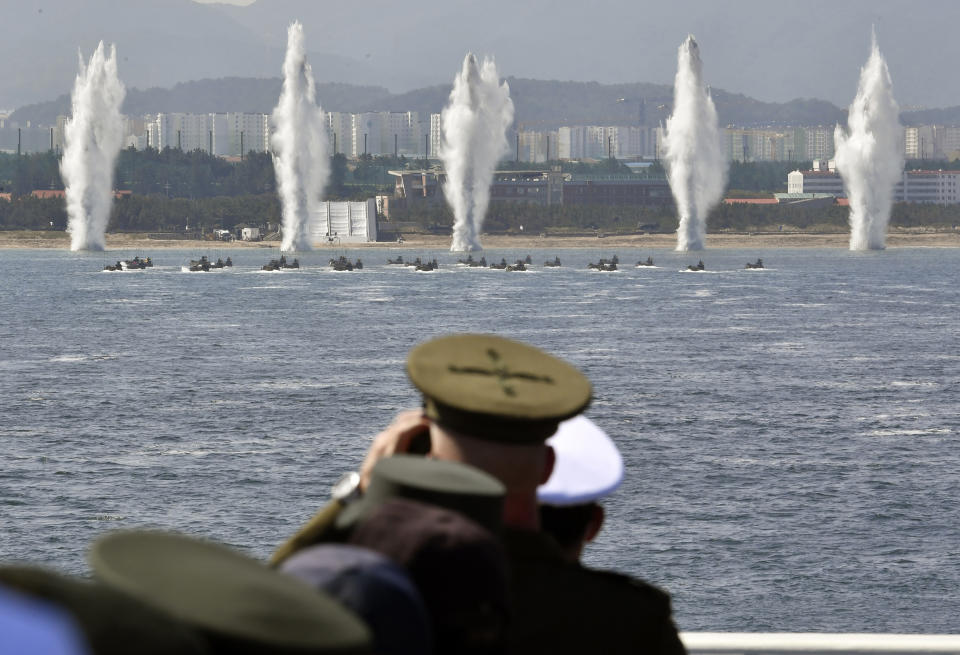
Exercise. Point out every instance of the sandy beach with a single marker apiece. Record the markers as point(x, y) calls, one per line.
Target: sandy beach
point(896, 238)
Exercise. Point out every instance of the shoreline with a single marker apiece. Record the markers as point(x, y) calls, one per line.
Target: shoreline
point(896, 238)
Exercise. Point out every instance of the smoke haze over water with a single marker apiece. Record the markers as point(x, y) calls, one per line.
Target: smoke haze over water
point(869, 154)
point(474, 124)
point(299, 142)
point(93, 137)
point(695, 162)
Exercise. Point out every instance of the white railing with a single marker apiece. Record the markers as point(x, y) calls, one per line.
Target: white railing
point(802, 643)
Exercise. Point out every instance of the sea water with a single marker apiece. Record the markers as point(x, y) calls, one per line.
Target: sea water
point(790, 434)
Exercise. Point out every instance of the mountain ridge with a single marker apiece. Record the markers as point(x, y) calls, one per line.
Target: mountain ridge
point(539, 104)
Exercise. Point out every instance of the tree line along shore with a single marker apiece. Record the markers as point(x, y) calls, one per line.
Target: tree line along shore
point(172, 191)
point(135, 242)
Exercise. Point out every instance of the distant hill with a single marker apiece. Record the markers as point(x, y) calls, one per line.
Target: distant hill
point(254, 95)
point(945, 116)
point(539, 104)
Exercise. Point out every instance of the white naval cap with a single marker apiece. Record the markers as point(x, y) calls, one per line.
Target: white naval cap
point(588, 465)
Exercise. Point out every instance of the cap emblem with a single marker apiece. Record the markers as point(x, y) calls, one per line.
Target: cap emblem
point(502, 373)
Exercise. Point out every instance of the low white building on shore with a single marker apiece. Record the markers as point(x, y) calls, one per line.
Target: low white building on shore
point(938, 187)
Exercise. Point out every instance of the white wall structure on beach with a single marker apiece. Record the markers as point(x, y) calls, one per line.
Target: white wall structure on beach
point(344, 222)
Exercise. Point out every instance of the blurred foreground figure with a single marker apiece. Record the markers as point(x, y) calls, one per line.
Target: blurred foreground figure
point(30, 626)
point(374, 587)
point(97, 619)
point(492, 403)
point(236, 604)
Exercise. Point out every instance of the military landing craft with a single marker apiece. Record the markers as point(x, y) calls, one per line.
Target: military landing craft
point(471, 262)
point(137, 264)
point(279, 264)
point(341, 263)
point(605, 264)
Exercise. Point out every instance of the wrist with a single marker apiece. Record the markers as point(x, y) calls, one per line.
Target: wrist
point(347, 488)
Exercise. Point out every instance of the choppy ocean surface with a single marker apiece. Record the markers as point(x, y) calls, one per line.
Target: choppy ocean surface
point(790, 435)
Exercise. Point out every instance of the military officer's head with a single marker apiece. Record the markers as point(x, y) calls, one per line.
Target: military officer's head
point(588, 468)
point(493, 402)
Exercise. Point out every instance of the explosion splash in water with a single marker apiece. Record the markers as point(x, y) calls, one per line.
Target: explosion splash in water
point(696, 165)
point(93, 137)
point(474, 139)
point(299, 142)
point(870, 157)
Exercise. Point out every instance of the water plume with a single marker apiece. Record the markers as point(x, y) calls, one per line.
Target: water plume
point(93, 136)
point(474, 125)
point(696, 165)
point(299, 140)
point(870, 155)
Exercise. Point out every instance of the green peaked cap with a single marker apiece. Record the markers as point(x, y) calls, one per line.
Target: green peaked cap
point(234, 600)
point(112, 622)
point(496, 389)
point(450, 485)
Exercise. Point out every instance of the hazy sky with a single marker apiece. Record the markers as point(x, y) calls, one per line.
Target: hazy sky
point(769, 50)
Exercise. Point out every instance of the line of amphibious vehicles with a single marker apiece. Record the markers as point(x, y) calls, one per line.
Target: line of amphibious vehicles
point(343, 264)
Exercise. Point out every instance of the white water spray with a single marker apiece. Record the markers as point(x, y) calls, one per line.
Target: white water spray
point(870, 156)
point(474, 139)
point(93, 137)
point(299, 141)
point(696, 165)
